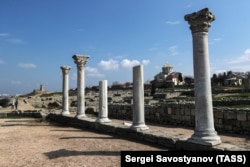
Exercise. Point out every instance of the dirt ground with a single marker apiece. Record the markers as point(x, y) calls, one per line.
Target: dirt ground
point(29, 143)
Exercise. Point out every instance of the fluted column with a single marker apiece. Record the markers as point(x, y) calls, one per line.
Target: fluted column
point(80, 61)
point(103, 102)
point(204, 120)
point(65, 86)
point(138, 99)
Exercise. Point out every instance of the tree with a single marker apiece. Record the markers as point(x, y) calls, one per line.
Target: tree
point(247, 81)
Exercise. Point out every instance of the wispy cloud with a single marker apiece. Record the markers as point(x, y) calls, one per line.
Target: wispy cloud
point(152, 49)
point(74, 76)
point(217, 39)
point(188, 6)
point(27, 65)
point(93, 72)
point(145, 62)
point(173, 50)
point(120, 56)
point(16, 41)
point(173, 22)
point(4, 34)
point(89, 48)
point(242, 59)
point(109, 64)
point(2, 62)
point(15, 82)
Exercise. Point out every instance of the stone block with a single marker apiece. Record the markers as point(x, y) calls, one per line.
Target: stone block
point(150, 138)
point(186, 118)
point(167, 142)
point(182, 111)
point(230, 115)
point(187, 111)
point(241, 116)
point(192, 111)
point(169, 110)
point(228, 128)
point(248, 116)
point(218, 113)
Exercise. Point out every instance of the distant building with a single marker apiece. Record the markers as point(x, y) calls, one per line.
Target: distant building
point(40, 90)
point(234, 79)
point(167, 78)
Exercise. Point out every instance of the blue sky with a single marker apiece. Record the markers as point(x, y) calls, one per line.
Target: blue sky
point(39, 36)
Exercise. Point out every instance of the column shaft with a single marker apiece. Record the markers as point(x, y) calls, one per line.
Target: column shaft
point(138, 99)
point(103, 102)
point(65, 86)
point(203, 95)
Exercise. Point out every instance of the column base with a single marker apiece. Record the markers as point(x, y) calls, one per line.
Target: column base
point(208, 138)
point(65, 113)
point(139, 127)
point(81, 116)
point(103, 120)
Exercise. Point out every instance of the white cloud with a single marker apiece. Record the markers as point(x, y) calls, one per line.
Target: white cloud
point(4, 34)
point(173, 22)
point(129, 63)
point(27, 65)
point(173, 50)
point(93, 72)
point(242, 59)
point(152, 49)
point(217, 39)
point(15, 82)
point(145, 62)
point(109, 65)
point(16, 41)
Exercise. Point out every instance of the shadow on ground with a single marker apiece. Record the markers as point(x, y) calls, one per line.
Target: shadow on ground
point(67, 153)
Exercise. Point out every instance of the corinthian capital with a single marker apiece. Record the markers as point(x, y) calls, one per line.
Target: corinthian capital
point(200, 21)
point(65, 69)
point(80, 60)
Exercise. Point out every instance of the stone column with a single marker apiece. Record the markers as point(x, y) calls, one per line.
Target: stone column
point(80, 61)
point(138, 99)
point(65, 86)
point(103, 102)
point(204, 120)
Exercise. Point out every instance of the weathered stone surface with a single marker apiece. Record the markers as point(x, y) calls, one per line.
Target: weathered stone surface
point(218, 113)
point(241, 116)
point(230, 115)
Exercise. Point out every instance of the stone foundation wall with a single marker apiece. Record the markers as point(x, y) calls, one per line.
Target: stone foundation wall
point(179, 113)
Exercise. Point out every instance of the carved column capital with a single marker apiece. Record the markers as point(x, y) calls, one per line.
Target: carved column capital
point(80, 61)
point(200, 21)
point(65, 69)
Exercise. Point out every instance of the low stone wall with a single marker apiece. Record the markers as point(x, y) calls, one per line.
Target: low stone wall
point(171, 142)
point(28, 113)
point(231, 102)
point(179, 113)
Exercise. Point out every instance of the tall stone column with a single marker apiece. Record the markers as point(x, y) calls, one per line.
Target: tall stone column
point(204, 121)
point(138, 99)
point(103, 102)
point(65, 86)
point(80, 61)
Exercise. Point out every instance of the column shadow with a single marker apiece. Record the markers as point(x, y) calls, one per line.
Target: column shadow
point(67, 153)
